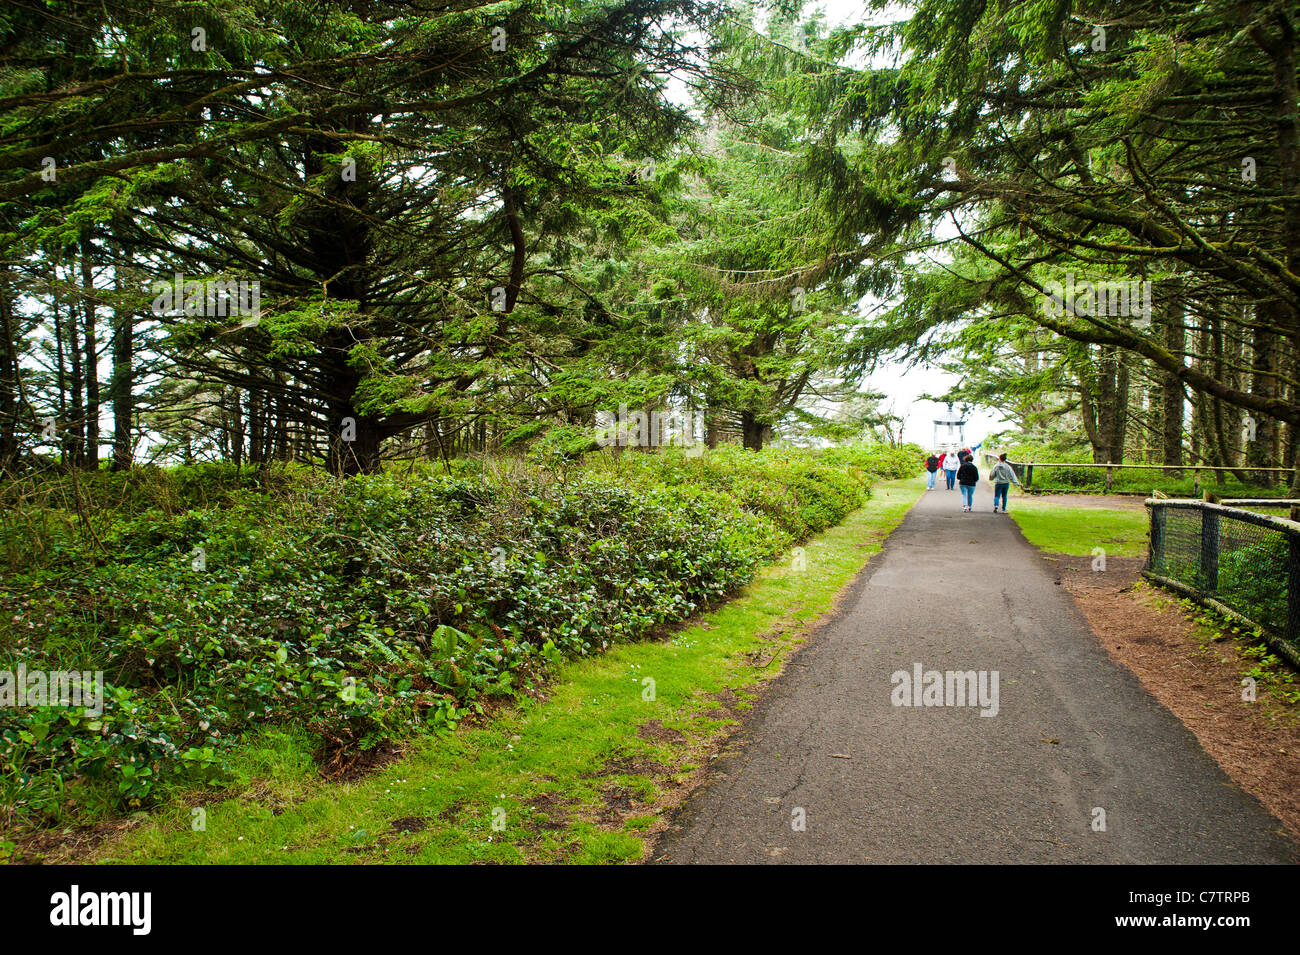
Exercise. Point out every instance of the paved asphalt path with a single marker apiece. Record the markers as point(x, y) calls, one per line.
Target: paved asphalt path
point(956, 591)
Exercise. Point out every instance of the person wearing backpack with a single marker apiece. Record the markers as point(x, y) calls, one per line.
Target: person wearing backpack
point(968, 476)
point(1003, 476)
point(931, 467)
point(950, 465)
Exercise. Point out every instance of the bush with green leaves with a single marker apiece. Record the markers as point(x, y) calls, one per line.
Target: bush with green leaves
point(217, 602)
point(1253, 580)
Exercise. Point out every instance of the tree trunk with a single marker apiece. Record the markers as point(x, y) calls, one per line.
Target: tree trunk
point(121, 389)
point(60, 376)
point(1104, 406)
point(75, 426)
point(751, 431)
point(8, 382)
point(1088, 413)
point(354, 441)
point(1259, 445)
point(257, 428)
point(91, 359)
point(1171, 397)
point(1218, 428)
point(236, 425)
point(1119, 423)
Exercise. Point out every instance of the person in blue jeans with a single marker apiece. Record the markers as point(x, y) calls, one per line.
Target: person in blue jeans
point(1003, 476)
point(950, 465)
point(931, 466)
point(967, 477)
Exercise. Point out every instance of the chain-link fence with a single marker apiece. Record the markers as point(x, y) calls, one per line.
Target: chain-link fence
point(1244, 564)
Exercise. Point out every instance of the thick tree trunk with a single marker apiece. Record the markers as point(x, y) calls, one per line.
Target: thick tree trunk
point(1088, 413)
point(1103, 405)
point(751, 431)
point(518, 246)
point(1103, 450)
point(342, 243)
point(354, 442)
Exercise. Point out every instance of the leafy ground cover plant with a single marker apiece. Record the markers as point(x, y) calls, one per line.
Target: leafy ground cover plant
point(217, 601)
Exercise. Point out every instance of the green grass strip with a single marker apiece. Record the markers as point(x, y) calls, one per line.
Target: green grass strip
point(1079, 530)
point(582, 776)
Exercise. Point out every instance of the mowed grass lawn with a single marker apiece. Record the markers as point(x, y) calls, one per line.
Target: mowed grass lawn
point(581, 776)
point(1066, 529)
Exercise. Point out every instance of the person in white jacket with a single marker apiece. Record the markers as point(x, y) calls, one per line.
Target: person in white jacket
point(1003, 476)
point(950, 466)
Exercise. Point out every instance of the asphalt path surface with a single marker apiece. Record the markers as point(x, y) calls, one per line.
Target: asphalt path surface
point(827, 769)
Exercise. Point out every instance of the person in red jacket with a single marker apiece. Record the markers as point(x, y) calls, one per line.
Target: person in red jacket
point(931, 468)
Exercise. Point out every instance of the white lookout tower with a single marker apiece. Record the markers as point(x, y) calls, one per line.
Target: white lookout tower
point(949, 431)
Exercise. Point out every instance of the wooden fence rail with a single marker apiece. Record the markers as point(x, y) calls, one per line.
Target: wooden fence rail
point(1027, 468)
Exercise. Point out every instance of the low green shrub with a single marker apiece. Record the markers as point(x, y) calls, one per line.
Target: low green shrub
point(218, 601)
point(1253, 580)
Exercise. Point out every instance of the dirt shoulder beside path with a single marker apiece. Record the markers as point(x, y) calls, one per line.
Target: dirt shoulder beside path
point(1197, 678)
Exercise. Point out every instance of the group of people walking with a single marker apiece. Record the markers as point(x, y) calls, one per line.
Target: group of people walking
point(960, 471)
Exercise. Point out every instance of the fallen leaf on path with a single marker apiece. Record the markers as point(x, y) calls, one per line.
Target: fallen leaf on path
point(841, 756)
point(1044, 739)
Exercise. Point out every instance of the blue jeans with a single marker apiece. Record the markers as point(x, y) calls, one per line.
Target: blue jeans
point(1000, 491)
point(929, 481)
point(952, 477)
point(968, 495)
